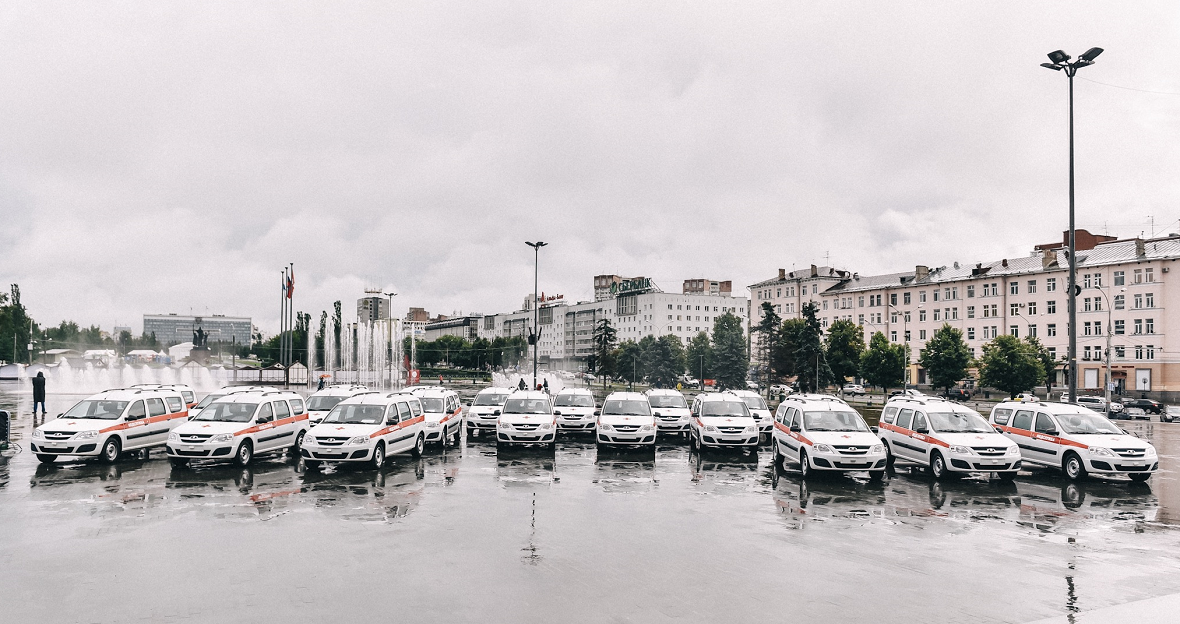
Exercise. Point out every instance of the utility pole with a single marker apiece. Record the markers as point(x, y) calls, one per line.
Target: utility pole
point(536, 304)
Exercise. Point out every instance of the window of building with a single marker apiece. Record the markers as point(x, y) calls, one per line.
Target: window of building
point(1138, 276)
point(893, 336)
point(1050, 284)
point(1120, 352)
point(1149, 276)
point(970, 292)
point(1086, 304)
point(1032, 308)
point(1149, 326)
point(1032, 331)
point(1149, 300)
point(1053, 352)
point(1138, 301)
point(825, 304)
point(1097, 304)
point(893, 317)
point(906, 316)
point(1120, 302)
point(1120, 278)
point(1097, 328)
point(860, 319)
point(936, 294)
point(907, 335)
point(1150, 352)
point(1120, 327)
point(921, 334)
point(1014, 330)
point(1051, 329)
point(1032, 287)
point(892, 298)
point(1097, 280)
point(1138, 352)
point(970, 312)
point(1013, 309)
point(1086, 329)
point(1086, 353)
point(1013, 288)
point(995, 289)
point(1086, 280)
point(1051, 307)
point(1138, 326)
point(921, 315)
point(970, 333)
point(905, 298)
point(814, 288)
point(921, 296)
point(937, 316)
point(952, 313)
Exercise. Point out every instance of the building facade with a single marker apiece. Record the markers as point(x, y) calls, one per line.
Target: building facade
point(1126, 287)
point(369, 309)
point(173, 329)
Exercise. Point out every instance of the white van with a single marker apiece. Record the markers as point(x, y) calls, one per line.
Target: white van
point(759, 410)
point(945, 437)
point(110, 423)
point(367, 428)
point(217, 394)
point(819, 432)
point(626, 420)
point(484, 411)
point(1073, 438)
point(527, 418)
point(574, 409)
point(670, 410)
point(444, 415)
point(322, 401)
point(722, 419)
point(239, 427)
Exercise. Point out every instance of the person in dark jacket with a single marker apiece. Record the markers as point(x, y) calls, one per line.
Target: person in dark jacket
point(39, 393)
point(522, 386)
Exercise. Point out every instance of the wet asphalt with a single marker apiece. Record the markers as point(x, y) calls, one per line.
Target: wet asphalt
point(466, 534)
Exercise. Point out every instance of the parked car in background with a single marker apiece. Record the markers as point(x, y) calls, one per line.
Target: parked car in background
point(780, 389)
point(1026, 396)
point(854, 389)
point(958, 394)
point(1171, 413)
point(1096, 403)
point(1135, 413)
point(907, 393)
point(1148, 405)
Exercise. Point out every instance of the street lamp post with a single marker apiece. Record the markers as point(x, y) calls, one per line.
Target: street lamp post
point(1109, 331)
point(905, 335)
point(389, 332)
point(1060, 61)
point(536, 305)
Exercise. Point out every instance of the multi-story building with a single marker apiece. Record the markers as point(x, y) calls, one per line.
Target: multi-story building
point(369, 309)
point(173, 329)
point(1126, 286)
point(707, 287)
point(636, 308)
point(465, 327)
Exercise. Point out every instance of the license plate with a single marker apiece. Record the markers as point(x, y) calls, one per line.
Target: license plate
point(994, 461)
point(192, 448)
point(52, 447)
point(1135, 463)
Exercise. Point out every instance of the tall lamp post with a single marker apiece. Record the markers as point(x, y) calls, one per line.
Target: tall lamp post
point(389, 332)
point(1109, 331)
point(905, 334)
point(536, 305)
point(1059, 62)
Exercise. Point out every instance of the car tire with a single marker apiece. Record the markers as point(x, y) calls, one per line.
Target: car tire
point(178, 463)
point(1140, 477)
point(876, 475)
point(805, 470)
point(419, 445)
point(245, 453)
point(938, 466)
point(1007, 476)
point(311, 464)
point(890, 460)
point(458, 435)
point(378, 460)
point(1073, 467)
point(295, 448)
point(775, 451)
point(46, 459)
point(111, 450)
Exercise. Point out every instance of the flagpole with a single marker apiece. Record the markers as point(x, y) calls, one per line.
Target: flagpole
point(283, 319)
point(290, 315)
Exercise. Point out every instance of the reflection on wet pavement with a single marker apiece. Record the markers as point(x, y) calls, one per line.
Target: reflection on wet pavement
point(472, 534)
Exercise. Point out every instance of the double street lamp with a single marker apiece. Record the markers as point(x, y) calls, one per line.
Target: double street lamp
point(536, 337)
point(1060, 61)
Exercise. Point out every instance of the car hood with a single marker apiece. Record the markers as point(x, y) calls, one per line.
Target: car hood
point(859, 438)
point(210, 427)
point(619, 419)
point(574, 411)
point(74, 425)
point(678, 412)
point(1109, 440)
point(728, 421)
point(526, 419)
point(317, 415)
point(483, 409)
point(760, 414)
point(336, 430)
point(975, 439)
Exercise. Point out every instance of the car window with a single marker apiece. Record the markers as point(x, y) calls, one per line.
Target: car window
point(794, 417)
point(416, 407)
point(137, 410)
point(1045, 424)
point(281, 410)
point(188, 396)
point(1023, 420)
point(920, 421)
point(175, 404)
point(391, 413)
point(904, 417)
point(296, 406)
point(156, 407)
point(266, 414)
point(778, 414)
point(1001, 416)
point(889, 414)
point(403, 412)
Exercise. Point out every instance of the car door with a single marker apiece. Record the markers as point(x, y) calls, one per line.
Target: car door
point(155, 426)
point(263, 424)
point(133, 421)
point(899, 438)
point(282, 433)
point(778, 434)
point(920, 438)
point(402, 440)
point(1044, 439)
point(1020, 431)
point(794, 437)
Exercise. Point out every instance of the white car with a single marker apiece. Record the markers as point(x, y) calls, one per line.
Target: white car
point(1075, 439)
point(574, 409)
point(759, 410)
point(722, 419)
point(217, 394)
point(322, 401)
point(444, 415)
point(186, 391)
point(367, 428)
point(485, 408)
point(110, 423)
point(527, 418)
point(670, 411)
point(239, 427)
point(626, 420)
point(819, 432)
point(945, 437)
point(854, 389)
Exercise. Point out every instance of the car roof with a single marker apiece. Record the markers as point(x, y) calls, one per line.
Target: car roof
point(664, 392)
point(378, 398)
point(132, 394)
point(826, 401)
point(744, 393)
point(929, 401)
point(725, 395)
point(341, 390)
point(436, 392)
point(574, 391)
point(497, 390)
point(528, 394)
point(1052, 407)
point(626, 396)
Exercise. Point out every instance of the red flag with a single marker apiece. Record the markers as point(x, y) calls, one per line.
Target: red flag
point(291, 283)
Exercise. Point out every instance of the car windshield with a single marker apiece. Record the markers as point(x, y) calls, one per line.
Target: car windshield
point(432, 405)
point(574, 400)
point(323, 403)
point(725, 408)
point(833, 421)
point(101, 410)
point(626, 408)
point(959, 422)
point(526, 406)
point(228, 412)
point(671, 401)
point(490, 399)
point(1086, 423)
point(755, 403)
point(352, 414)
point(209, 398)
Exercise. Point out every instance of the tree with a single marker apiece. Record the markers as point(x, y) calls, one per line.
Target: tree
point(16, 328)
point(1010, 365)
point(806, 338)
point(1048, 362)
point(843, 347)
point(629, 361)
point(882, 363)
point(784, 351)
point(730, 359)
point(605, 339)
point(664, 361)
point(700, 356)
point(321, 335)
point(946, 357)
point(767, 331)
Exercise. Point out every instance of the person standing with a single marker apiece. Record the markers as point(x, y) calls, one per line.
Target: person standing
point(39, 393)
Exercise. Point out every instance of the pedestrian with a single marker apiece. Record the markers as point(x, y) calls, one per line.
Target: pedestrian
point(546, 386)
point(39, 392)
point(321, 386)
point(522, 386)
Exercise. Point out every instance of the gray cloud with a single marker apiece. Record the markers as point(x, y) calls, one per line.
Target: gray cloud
point(157, 157)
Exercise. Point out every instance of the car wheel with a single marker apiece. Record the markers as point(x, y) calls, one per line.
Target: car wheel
point(1007, 476)
point(1140, 477)
point(379, 456)
point(804, 464)
point(458, 434)
point(890, 460)
point(776, 451)
point(1073, 467)
point(311, 464)
point(876, 475)
point(298, 444)
point(178, 463)
point(419, 446)
point(46, 459)
point(245, 453)
point(110, 450)
point(938, 466)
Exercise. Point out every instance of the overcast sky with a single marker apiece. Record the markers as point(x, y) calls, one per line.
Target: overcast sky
point(167, 157)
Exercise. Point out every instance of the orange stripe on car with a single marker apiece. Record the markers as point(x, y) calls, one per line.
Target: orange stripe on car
point(1043, 437)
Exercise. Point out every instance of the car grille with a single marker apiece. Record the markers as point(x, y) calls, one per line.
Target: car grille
point(989, 451)
point(59, 435)
point(195, 438)
point(184, 453)
point(525, 428)
point(330, 441)
point(848, 449)
point(1130, 453)
point(731, 430)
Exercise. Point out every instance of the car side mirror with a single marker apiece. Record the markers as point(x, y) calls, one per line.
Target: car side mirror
point(796, 428)
point(656, 414)
point(496, 413)
point(922, 430)
point(556, 413)
point(875, 430)
point(597, 413)
point(392, 420)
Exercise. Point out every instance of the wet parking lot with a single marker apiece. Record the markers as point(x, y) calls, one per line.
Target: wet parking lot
point(469, 534)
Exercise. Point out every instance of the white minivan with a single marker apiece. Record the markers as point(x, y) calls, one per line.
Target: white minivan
point(527, 418)
point(484, 411)
point(574, 409)
point(626, 420)
point(821, 433)
point(110, 423)
point(759, 410)
point(670, 411)
point(367, 428)
point(322, 401)
point(444, 415)
point(722, 419)
point(239, 427)
point(945, 437)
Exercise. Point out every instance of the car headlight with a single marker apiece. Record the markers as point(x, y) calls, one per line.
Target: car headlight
point(358, 440)
point(546, 425)
point(1013, 450)
point(959, 450)
point(86, 435)
point(432, 424)
point(1100, 451)
point(1149, 451)
point(221, 437)
point(505, 425)
point(877, 448)
point(37, 433)
point(710, 428)
point(750, 429)
point(174, 437)
point(605, 427)
point(646, 428)
point(823, 448)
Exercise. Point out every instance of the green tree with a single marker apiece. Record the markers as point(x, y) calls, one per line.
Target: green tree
point(629, 361)
point(1048, 362)
point(882, 363)
point(811, 367)
point(946, 357)
point(784, 352)
point(767, 332)
point(321, 336)
point(1010, 365)
point(337, 328)
point(665, 361)
point(730, 359)
point(700, 356)
point(843, 347)
point(605, 340)
point(16, 328)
